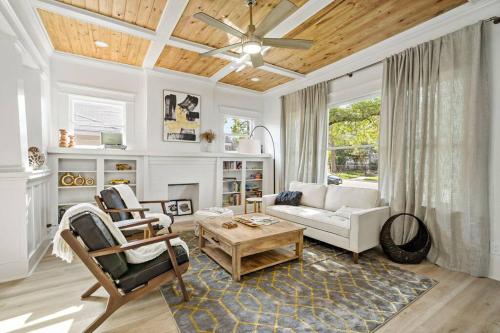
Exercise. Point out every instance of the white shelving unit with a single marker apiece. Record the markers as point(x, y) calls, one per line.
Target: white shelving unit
point(240, 179)
point(100, 168)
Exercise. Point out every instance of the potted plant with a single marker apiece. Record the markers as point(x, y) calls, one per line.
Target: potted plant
point(209, 137)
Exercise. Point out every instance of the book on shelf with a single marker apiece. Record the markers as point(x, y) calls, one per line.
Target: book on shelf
point(233, 200)
point(232, 165)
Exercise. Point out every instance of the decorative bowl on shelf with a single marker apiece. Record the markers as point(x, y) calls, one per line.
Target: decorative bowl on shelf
point(67, 179)
point(119, 181)
point(123, 166)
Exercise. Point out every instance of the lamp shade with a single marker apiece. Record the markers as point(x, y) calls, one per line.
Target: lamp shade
point(249, 146)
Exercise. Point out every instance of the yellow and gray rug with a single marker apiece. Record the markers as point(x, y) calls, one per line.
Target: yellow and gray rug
point(326, 292)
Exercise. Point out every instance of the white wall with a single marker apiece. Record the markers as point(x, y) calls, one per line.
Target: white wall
point(92, 74)
point(146, 122)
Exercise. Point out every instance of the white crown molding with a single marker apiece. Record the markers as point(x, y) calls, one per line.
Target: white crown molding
point(238, 89)
point(88, 61)
point(450, 21)
point(169, 18)
point(94, 18)
point(164, 72)
point(22, 35)
point(220, 86)
point(76, 89)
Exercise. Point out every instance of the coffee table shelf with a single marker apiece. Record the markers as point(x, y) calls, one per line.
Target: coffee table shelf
point(251, 263)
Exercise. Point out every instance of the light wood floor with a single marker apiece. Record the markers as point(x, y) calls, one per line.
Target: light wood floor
point(48, 301)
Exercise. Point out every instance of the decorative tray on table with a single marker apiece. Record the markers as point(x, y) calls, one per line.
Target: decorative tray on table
point(255, 221)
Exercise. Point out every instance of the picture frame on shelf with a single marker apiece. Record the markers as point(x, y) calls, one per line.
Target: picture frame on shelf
point(184, 207)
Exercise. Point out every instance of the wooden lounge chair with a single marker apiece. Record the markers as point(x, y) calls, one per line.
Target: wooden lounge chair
point(111, 202)
point(106, 260)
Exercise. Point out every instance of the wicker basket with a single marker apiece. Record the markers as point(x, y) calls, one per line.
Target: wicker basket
point(412, 252)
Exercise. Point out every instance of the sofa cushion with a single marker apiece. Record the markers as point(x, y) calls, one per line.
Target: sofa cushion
point(312, 217)
point(357, 197)
point(291, 198)
point(139, 274)
point(313, 195)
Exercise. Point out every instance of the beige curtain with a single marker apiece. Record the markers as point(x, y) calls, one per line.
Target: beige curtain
point(434, 145)
point(304, 132)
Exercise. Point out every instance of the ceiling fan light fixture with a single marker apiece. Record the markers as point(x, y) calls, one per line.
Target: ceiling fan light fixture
point(252, 47)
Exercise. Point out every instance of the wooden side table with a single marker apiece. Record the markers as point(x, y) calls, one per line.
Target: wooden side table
point(257, 202)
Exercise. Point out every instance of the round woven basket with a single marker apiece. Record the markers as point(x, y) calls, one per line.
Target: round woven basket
point(412, 252)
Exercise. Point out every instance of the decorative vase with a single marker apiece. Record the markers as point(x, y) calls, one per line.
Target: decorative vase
point(67, 179)
point(211, 147)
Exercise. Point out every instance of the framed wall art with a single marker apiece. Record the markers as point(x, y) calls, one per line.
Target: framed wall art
point(184, 207)
point(181, 116)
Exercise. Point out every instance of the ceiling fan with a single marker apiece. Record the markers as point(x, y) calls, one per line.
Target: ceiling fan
point(253, 40)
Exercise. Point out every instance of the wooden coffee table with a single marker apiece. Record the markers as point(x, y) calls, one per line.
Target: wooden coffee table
point(245, 249)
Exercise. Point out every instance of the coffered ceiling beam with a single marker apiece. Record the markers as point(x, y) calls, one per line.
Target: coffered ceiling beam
point(169, 18)
point(94, 18)
point(297, 18)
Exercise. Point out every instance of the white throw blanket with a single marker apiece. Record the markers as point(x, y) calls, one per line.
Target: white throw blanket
point(135, 256)
point(130, 200)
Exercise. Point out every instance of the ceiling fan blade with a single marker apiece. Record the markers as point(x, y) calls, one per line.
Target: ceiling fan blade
point(218, 24)
point(257, 60)
point(284, 9)
point(220, 50)
point(288, 43)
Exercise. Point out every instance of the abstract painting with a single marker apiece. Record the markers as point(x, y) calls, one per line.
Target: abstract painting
point(181, 116)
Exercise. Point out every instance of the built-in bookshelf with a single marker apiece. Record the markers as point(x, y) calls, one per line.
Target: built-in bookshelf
point(90, 175)
point(241, 179)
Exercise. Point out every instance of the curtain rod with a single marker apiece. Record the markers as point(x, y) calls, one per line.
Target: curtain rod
point(494, 19)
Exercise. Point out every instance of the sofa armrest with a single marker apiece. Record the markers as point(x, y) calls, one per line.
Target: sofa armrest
point(268, 200)
point(365, 228)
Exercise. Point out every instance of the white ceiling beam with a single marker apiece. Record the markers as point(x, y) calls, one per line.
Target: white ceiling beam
point(301, 15)
point(169, 18)
point(291, 22)
point(94, 18)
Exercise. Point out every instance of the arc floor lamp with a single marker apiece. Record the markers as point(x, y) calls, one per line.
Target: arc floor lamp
point(252, 146)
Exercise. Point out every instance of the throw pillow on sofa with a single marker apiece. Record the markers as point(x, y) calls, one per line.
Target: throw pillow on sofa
point(290, 198)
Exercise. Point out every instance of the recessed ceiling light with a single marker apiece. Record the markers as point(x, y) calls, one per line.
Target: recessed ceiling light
point(255, 79)
point(100, 43)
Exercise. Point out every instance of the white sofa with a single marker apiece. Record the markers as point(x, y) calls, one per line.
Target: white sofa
point(355, 227)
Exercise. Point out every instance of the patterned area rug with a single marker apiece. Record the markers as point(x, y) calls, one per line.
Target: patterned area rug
point(326, 292)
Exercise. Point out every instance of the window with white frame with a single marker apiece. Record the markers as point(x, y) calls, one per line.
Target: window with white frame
point(236, 128)
point(353, 141)
point(92, 117)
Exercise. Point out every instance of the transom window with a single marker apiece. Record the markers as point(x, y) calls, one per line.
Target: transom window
point(235, 128)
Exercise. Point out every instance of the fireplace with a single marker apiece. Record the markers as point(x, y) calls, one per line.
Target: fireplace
point(185, 191)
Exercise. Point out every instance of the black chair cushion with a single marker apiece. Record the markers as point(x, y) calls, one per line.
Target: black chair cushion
point(95, 235)
point(113, 200)
point(291, 198)
point(139, 274)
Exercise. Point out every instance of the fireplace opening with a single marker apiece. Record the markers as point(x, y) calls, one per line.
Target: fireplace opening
point(183, 193)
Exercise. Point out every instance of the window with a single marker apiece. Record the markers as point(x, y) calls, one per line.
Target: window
point(353, 142)
point(91, 117)
point(235, 128)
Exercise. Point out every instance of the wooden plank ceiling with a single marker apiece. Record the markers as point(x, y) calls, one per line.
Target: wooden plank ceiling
point(266, 80)
point(73, 36)
point(347, 26)
point(189, 62)
point(144, 13)
point(339, 30)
